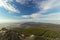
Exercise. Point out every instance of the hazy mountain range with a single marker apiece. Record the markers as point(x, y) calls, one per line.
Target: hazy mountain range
point(38, 24)
point(29, 25)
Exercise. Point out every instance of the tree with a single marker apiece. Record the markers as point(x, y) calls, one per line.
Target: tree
point(11, 35)
point(39, 38)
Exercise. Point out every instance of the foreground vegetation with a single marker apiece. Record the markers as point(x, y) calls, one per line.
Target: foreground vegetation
point(29, 34)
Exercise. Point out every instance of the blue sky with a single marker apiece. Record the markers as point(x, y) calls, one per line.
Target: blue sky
point(30, 11)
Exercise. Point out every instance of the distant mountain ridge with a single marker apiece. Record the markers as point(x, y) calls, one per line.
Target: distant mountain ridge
point(29, 25)
point(38, 24)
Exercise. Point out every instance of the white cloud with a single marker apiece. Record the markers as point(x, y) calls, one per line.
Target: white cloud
point(36, 15)
point(26, 16)
point(21, 1)
point(46, 6)
point(52, 16)
point(6, 5)
point(49, 18)
point(49, 4)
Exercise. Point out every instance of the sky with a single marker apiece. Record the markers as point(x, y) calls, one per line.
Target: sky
point(47, 11)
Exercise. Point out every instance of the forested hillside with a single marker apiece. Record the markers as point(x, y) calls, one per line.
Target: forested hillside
point(29, 34)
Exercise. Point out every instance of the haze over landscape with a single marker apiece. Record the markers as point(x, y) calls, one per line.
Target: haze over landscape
point(29, 19)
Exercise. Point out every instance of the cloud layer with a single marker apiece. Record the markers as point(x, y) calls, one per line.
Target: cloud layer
point(33, 10)
point(49, 11)
point(7, 6)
